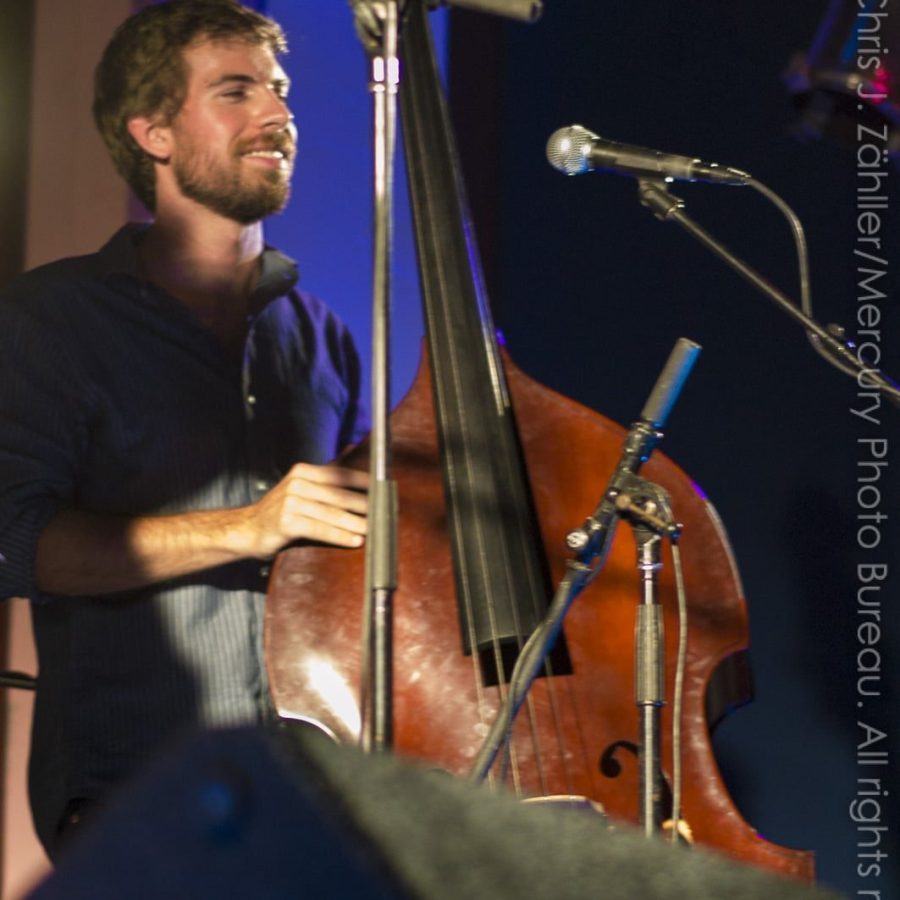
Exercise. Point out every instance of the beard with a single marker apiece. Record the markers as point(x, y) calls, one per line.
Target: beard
point(227, 189)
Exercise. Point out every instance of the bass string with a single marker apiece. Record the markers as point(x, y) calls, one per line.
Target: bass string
point(434, 207)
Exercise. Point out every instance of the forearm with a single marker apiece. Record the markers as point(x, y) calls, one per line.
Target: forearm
point(86, 553)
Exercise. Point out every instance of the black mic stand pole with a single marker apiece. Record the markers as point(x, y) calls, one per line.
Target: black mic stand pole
point(381, 545)
point(666, 206)
point(640, 503)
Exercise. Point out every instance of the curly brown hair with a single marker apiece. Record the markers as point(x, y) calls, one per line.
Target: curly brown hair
point(142, 72)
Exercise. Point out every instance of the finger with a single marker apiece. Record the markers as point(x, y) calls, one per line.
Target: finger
point(324, 525)
point(305, 514)
point(336, 498)
point(336, 537)
point(336, 476)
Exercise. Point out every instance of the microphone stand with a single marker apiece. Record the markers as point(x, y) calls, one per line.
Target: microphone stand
point(639, 507)
point(666, 206)
point(591, 543)
point(523, 10)
point(381, 546)
point(378, 26)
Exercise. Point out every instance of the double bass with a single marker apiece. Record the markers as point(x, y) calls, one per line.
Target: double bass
point(492, 471)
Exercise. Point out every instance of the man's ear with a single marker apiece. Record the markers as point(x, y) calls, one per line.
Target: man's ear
point(152, 136)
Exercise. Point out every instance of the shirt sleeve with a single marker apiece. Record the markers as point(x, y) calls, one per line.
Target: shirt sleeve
point(41, 432)
point(356, 419)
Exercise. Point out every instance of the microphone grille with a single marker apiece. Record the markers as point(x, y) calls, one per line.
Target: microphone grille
point(567, 149)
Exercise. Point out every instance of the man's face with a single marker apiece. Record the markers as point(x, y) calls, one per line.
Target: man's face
point(234, 139)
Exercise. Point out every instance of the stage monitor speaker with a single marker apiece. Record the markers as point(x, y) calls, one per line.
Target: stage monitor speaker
point(255, 815)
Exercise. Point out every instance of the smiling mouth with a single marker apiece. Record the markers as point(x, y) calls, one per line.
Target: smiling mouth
point(274, 160)
point(265, 154)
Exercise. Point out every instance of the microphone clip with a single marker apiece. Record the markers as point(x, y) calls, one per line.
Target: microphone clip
point(654, 194)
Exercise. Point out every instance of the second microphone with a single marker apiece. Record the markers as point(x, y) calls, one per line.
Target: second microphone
point(575, 150)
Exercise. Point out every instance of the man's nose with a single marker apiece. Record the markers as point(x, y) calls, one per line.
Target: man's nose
point(275, 113)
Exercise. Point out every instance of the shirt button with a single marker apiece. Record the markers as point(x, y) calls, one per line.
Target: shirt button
point(251, 399)
point(262, 485)
point(264, 571)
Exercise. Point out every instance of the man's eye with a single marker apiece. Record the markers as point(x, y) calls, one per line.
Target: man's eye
point(238, 94)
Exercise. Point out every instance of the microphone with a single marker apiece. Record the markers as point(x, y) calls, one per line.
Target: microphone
point(575, 150)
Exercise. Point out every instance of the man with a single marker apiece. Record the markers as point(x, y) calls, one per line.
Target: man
point(166, 408)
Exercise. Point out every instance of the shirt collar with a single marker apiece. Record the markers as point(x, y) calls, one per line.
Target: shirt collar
point(277, 275)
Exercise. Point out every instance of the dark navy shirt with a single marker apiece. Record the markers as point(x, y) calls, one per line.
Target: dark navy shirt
point(114, 399)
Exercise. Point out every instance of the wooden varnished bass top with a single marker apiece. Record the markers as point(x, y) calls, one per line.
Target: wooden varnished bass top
point(493, 470)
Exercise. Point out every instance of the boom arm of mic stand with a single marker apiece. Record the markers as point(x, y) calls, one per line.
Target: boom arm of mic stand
point(666, 206)
point(520, 10)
